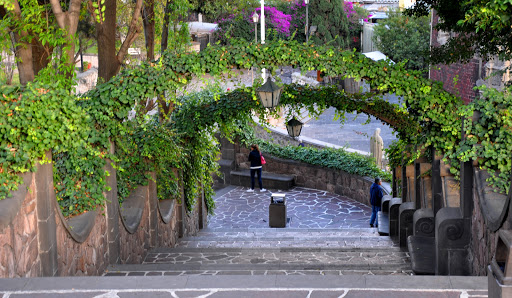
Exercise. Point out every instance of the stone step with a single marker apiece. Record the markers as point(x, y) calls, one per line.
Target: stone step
point(300, 244)
point(238, 262)
point(145, 271)
point(270, 180)
point(341, 239)
point(271, 259)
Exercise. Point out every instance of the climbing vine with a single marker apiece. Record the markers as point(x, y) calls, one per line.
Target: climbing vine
point(488, 130)
point(43, 116)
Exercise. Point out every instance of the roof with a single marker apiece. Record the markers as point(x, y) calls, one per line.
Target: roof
point(377, 56)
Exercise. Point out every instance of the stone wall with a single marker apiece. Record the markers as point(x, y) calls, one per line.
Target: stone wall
point(134, 246)
point(312, 176)
point(36, 240)
point(283, 139)
point(86, 258)
point(19, 250)
point(483, 241)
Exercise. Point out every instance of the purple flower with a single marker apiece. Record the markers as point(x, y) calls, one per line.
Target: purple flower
point(278, 19)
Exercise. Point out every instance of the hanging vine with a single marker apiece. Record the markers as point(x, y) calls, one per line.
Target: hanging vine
point(426, 114)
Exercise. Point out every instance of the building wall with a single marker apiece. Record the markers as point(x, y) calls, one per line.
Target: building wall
point(457, 78)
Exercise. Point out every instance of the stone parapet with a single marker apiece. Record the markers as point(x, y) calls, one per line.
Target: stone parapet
point(36, 240)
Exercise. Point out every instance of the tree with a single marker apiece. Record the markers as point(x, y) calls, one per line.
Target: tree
point(483, 27)
point(35, 35)
point(331, 21)
point(214, 10)
point(402, 37)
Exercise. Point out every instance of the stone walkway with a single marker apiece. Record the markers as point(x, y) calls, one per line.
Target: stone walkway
point(321, 253)
point(306, 208)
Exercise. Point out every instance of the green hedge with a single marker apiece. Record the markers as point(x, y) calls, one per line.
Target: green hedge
point(340, 159)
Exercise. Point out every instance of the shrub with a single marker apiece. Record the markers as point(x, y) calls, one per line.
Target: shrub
point(340, 159)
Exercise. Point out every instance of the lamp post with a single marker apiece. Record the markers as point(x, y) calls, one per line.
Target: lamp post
point(294, 127)
point(307, 17)
point(262, 29)
point(269, 94)
point(255, 18)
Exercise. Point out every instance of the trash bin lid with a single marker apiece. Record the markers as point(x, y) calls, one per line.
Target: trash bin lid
point(277, 198)
point(278, 195)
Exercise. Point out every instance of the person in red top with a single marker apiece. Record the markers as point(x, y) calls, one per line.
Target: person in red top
point(255, 159)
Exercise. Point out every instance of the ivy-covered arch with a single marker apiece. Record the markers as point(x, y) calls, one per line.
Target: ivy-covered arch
point(426, 115)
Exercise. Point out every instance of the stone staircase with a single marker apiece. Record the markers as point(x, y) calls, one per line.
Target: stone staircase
point(267, 251)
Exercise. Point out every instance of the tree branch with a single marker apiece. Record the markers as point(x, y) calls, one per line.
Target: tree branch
point(133, 32)
point(60, 15)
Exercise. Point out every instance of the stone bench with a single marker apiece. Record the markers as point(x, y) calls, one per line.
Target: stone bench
point(270, 180)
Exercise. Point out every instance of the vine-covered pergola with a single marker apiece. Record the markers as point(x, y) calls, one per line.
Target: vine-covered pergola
point(426, 115)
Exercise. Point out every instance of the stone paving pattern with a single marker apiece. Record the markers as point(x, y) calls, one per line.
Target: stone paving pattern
point(326, 234)
point(334, 258)
point(306, 208)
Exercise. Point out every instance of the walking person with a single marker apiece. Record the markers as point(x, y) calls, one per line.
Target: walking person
point(255, 159)
point(375, 200)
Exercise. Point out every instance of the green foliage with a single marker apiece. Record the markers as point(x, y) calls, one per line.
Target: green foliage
point(489, 136)
point(482, 27)
point(179, 36)
point(214, 10)
point(426, 116)
point(331, 21)
point(199, 115)
point(402, 37)
point(339, 159)
point(147, 146)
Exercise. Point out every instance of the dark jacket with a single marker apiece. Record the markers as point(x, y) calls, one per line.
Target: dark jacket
point(255, 158)
point(376, 195)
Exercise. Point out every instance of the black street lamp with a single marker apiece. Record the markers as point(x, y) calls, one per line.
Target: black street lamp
point(294, 127)
point(269, 94)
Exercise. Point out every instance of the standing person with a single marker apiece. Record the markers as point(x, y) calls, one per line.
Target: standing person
point(255, 159)
point(375, 200)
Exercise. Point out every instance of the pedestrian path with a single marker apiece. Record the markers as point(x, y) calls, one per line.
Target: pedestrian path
point(326, 234)
point(306, 208)
point(326, 250)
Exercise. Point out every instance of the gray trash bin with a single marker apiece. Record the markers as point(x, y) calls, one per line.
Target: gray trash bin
point(277, 211)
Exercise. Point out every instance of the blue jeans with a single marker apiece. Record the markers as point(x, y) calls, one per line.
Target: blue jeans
point(259, 177)
point(374, 217)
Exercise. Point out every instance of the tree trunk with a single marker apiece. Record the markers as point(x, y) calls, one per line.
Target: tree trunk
point(148, 19)
point(108, 64)
point(165, 28)
point(41, 56)
point(23, 49)
point(24, 61)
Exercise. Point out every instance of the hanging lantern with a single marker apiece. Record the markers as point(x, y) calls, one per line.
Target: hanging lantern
point(269, 94)
point(294, 127)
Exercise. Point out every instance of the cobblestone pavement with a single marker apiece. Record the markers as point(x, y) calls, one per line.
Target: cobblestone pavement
point(333, 258)
point(306, 208)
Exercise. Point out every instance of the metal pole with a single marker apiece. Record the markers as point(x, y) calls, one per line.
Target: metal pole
point(255, 41)
point(263, 71)
point(307, 27)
